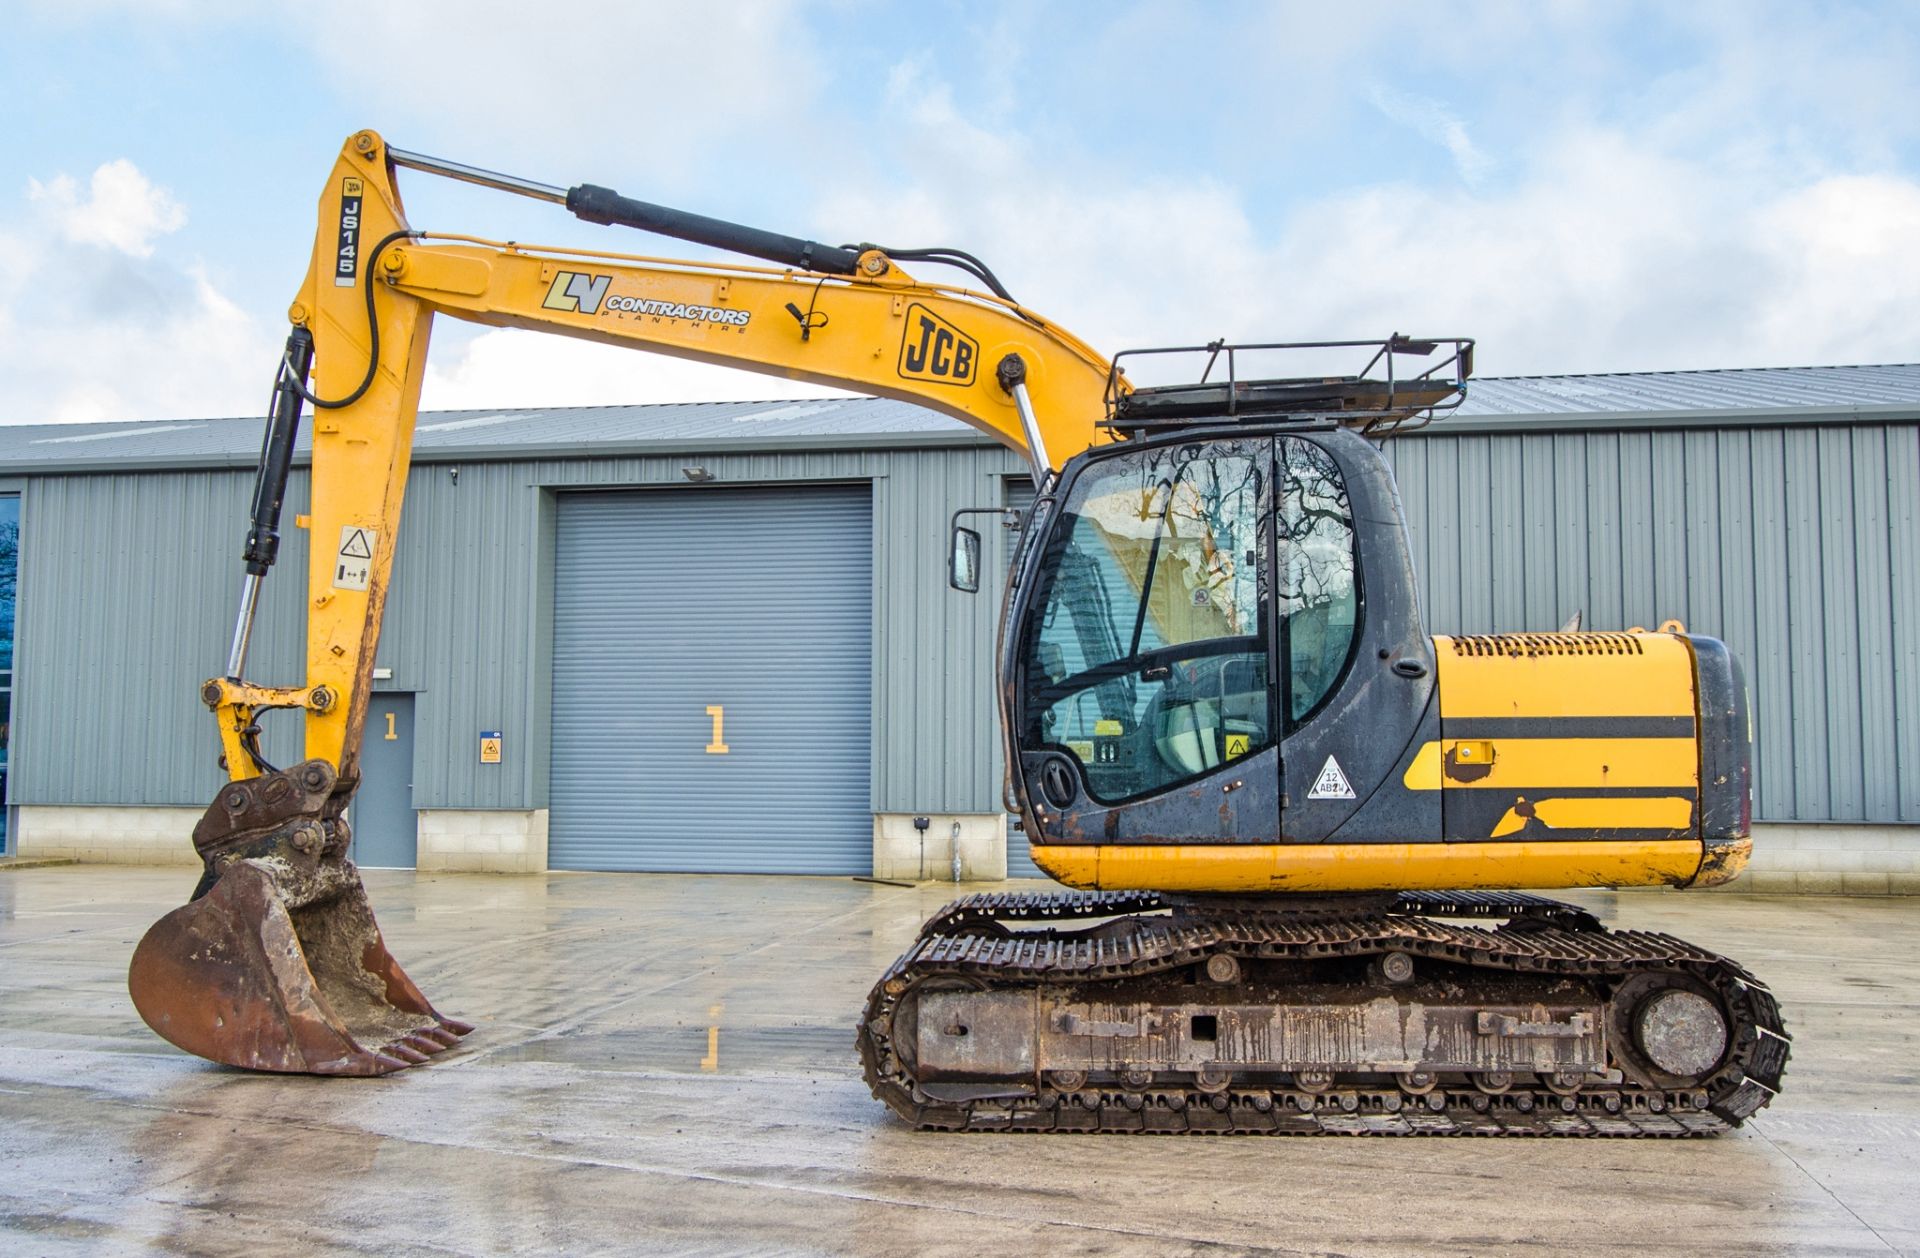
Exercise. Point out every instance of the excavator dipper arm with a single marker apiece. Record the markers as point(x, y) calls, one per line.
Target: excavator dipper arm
point(276, 963)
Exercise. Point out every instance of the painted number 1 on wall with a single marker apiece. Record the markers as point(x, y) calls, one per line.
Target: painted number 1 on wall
point(718, 747)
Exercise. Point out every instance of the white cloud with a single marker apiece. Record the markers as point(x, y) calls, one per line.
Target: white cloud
point(636, 87)
point(1611, 258)
point(1727, 211)
point(1598, 249)
point(122, 209)
point(1435, 122)
point(99, 321)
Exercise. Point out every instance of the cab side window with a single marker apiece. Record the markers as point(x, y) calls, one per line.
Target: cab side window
point(1316, 587)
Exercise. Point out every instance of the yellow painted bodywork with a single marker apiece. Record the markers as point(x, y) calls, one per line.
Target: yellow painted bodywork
point(1529, 678)
point(1278, 868)
point(857, 335)
point(1656, 679)
point(1523, 763)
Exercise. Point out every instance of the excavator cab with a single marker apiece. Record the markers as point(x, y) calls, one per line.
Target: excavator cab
point(1292, 819)
point(1209, 612)
point(1197, 605)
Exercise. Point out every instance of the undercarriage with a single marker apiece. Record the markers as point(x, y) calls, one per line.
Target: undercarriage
point(1443, 1013)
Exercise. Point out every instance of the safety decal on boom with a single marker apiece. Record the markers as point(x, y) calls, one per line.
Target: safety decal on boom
point(1332, 783)
point(353, 566)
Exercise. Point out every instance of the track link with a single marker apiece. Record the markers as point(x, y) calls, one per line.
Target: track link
point(973, 943)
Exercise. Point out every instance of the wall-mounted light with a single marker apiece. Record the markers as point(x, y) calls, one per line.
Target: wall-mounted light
point(698, 475)
point(454, 474)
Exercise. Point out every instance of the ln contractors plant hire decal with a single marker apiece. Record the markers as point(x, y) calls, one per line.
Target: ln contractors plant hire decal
point(578, 292)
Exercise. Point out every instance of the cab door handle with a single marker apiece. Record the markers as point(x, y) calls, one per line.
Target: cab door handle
point(1410, 668)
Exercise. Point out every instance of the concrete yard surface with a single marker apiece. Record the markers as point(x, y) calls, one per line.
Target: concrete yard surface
point(665, 1064)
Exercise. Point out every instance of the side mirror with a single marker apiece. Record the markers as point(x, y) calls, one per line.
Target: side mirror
point(963, 560)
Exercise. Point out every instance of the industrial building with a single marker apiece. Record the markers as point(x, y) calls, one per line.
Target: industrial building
point(718, 637)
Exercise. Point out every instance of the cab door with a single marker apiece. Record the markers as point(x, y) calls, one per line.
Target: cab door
point(1145, 712)
point(1352, 662)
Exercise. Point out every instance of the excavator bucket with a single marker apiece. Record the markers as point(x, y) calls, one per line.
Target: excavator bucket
point(276, 963)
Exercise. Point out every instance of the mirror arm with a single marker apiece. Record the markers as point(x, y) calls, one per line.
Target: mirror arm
point(956, 531)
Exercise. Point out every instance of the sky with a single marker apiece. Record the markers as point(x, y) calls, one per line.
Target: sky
point(1583, 187)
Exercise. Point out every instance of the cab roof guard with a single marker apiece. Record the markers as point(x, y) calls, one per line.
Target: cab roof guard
point(1377, 400)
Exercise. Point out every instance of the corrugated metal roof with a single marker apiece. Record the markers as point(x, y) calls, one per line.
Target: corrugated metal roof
point(535, 432)
point(1636, 399)
point(1650, 392)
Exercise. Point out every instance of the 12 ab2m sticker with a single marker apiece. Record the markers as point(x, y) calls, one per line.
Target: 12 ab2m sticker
point(933, 349)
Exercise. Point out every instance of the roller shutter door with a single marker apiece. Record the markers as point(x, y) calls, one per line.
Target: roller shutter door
point(757, 602)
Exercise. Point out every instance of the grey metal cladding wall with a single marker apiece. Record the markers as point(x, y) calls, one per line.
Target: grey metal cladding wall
point(128, 582)
point(461, 622)
point(746, 612)
point(468, 617)
point(128, 585)
point(936, 746)
point(1797, 546)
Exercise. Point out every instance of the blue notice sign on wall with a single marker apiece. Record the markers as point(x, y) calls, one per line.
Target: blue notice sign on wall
point(490, 746)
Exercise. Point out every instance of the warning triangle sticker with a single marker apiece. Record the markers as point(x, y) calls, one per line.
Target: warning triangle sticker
point(1332, 783)
point(356, 546)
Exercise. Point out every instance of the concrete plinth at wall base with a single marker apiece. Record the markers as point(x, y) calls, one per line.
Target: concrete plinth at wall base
point(1787, 859)
point(476, 840)
point(1832, 860)
point(467, 840)
point(119, 836)
point(904, 852)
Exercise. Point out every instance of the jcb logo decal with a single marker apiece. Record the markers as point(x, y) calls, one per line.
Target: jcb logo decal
point(935, 350)
point(577, 292)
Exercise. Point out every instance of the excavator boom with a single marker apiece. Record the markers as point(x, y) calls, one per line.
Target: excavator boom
point(276, 962)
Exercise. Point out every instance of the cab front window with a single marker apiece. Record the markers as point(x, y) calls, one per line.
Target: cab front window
point(1147, 657)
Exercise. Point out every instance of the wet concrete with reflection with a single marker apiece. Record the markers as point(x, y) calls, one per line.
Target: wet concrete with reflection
point(665, 1064)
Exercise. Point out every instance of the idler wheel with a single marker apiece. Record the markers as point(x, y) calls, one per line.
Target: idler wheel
point(1681, 1032)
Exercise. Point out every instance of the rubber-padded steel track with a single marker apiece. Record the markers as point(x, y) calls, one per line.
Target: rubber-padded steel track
point(969, 943)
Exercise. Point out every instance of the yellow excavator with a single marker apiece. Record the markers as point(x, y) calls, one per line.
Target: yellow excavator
point(1296, 824)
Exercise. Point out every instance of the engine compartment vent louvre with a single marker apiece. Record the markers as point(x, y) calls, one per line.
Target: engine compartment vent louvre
point(1521, 645)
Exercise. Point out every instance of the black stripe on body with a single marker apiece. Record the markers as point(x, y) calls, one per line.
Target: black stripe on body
point(1470, 816)
point(1494, 727)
